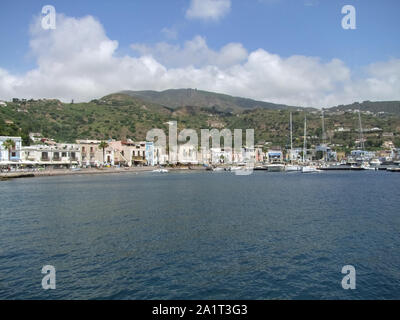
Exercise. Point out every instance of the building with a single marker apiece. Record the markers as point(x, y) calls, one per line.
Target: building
point(35, 136)
point(10, 156)
point(220, 155)
point(122, 152)
point(91, 154)
point(361, 155)
point(327, 153)
point(275, 155)
point(294, 154)
point(249, 155)
point(388, 145)
point(139, 154)
point(160, 155)
point(55, 156)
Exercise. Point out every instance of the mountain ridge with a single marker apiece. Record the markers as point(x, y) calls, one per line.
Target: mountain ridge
point(176, 98)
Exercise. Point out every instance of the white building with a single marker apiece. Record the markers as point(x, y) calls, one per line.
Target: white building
point(187, 154)
point(10, 156)
point(60, 155)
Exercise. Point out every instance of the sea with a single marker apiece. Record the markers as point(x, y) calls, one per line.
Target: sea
point(201, 235)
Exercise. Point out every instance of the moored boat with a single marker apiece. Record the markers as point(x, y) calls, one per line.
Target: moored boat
point(161, 171)
point(309, 169)
point(292, 168)
point(375, 162)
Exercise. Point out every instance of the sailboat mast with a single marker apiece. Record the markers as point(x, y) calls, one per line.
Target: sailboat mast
point(291, 136)
point(323, 127)
point(305, 139)
point(324, 136)
point(361, 131)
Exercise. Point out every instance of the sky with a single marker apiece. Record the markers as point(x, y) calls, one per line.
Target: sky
point(284, 51)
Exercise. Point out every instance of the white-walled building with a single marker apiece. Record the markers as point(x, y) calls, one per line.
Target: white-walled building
point(187, 154)
point(59, 155)
point(10, 156)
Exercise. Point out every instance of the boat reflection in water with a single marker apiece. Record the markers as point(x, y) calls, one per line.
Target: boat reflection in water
point(276, 167)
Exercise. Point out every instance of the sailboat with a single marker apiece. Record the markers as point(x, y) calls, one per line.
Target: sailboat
point(291, 167)
point(307, 168)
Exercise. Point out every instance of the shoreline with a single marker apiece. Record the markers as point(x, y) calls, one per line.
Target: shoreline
point(62, 172)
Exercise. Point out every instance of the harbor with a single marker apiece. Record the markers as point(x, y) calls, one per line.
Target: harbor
point(215, 230)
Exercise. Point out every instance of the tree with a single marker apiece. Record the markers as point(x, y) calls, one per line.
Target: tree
point(103, 145)
point(9, 144)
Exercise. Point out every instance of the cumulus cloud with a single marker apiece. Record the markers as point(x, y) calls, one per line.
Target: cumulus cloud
point(78, 61)
point(208, 9)
point(194, 53)
point(170, 33)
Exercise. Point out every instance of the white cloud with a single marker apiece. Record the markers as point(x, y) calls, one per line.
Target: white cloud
point(170, 33)
point(78, 61)
point(208, 9)
point(194, 53)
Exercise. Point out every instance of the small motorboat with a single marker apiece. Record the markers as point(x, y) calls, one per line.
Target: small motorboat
point(375, 162)
point(309, 169)
point(161, 171)
point(292, 168)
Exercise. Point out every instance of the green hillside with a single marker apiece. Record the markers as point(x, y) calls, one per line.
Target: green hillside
point(197, 98)
point(120, 116)
point(392, 107)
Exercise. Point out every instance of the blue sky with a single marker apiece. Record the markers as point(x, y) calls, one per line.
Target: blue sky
point(286, 28)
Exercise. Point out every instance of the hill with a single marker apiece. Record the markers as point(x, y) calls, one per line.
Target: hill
point(121, 116)
point(176, 98)
point(392, 107)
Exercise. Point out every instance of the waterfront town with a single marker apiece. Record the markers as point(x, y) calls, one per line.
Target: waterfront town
point(46, 154)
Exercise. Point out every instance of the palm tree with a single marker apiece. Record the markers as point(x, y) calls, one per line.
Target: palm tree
point(103, 145)
point(9, 144)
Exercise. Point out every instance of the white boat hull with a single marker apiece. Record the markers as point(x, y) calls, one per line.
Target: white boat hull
point(308, 169)
point(292, 168)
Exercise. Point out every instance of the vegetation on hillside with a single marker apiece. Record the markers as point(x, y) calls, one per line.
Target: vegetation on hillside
point(121, 116)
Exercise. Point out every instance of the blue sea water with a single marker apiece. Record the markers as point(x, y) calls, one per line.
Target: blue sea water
point(201, 235)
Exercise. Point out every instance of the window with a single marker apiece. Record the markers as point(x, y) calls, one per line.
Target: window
point(64, 154)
